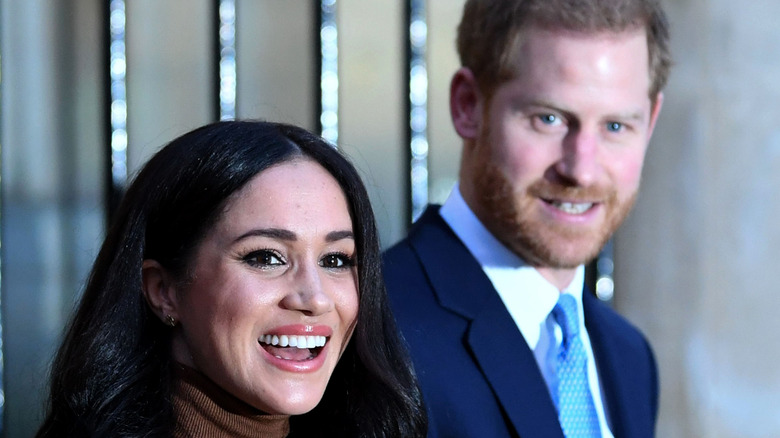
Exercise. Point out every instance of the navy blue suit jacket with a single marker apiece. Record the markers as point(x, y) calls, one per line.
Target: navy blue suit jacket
point(478, 376)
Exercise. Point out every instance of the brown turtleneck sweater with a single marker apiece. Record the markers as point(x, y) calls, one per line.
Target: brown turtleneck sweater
point(203, 409)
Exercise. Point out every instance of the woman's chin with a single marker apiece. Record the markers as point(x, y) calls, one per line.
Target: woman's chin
point(293, 406)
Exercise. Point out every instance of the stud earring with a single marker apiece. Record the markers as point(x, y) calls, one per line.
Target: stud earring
point(171, 321)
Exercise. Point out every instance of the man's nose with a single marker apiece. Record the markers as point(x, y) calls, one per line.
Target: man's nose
point(579, 163)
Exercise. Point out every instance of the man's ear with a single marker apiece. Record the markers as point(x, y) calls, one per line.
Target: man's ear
point(465, 104)
point(160, 291)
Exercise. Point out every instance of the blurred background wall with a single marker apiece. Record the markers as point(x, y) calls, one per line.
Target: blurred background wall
point(694, 264)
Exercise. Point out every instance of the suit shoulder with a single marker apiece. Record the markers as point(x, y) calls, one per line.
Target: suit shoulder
point(609, 318)
point(401, 249)
point(609, 327)
point(399, 259)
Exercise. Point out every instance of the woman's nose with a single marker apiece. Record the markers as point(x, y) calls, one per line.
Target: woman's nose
point(307, 293)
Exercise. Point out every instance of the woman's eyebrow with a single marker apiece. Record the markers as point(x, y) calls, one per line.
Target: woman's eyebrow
point(338, 235)
point(282, 234)
point(274, 233)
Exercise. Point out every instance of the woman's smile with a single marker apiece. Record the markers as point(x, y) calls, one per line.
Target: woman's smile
point(299, 346)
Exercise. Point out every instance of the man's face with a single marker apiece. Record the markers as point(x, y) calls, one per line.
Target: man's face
point(556, 158)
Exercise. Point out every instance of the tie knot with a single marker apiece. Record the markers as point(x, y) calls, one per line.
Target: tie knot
point(565, 314)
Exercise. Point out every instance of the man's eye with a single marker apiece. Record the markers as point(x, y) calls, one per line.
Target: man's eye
point(549, 119)
point(614, 127)
point(336, 261)
point(264, 258)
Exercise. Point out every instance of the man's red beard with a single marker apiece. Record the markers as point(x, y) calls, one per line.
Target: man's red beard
point(512, 218)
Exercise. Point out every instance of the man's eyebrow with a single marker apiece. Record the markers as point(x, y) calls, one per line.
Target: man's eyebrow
point(636, 116)
point(542, 104)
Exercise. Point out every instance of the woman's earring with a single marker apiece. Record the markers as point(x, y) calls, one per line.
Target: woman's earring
point(171, 321)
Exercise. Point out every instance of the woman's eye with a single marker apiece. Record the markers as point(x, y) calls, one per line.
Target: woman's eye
point(264, 258)
point(336, 261)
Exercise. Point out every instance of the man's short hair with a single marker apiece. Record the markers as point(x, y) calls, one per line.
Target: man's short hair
point(490, 30)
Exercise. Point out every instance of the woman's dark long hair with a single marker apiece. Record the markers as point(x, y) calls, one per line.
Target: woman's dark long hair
point(111, 376)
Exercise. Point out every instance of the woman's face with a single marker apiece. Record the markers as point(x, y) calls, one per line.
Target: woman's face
point(273, 295)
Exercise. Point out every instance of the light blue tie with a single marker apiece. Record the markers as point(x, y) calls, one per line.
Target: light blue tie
point(575, 405)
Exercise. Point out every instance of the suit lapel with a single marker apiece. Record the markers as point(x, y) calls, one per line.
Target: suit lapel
point(619, 366)
point(510, 367)
point(506, 361)
point(458, 281)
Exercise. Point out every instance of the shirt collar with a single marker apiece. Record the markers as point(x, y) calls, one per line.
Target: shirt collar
point(527, 295)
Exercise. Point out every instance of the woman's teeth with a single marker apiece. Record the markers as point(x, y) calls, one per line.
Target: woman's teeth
point(294, 341)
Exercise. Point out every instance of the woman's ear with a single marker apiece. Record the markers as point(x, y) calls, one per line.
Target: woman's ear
point(465, 104)
point(160, 291)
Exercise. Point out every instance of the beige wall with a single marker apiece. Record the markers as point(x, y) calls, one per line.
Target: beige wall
point(697, 260)
point(443, 16)
point(275, 45)
point(371, 120)
point(168, 73)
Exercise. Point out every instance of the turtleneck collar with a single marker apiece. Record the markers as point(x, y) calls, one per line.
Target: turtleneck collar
point(203, 408)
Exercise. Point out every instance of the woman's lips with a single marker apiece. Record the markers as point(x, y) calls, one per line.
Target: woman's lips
point(296, 348)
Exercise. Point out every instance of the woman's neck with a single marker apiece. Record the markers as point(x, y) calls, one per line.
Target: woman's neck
point(203, 408)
